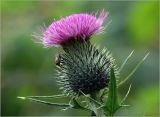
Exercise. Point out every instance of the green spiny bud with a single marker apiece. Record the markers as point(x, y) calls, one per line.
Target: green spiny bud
point(84, 68)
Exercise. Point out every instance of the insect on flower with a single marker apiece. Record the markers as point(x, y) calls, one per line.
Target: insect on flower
point(58, 59)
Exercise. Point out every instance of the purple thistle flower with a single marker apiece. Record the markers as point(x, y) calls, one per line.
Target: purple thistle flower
point(77, 26)
point(82, 66)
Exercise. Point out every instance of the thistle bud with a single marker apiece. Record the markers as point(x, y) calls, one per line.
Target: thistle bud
point(84, 68)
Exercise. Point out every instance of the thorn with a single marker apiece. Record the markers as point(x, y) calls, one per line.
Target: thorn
point(84, 102)
point(133, 71)
point(23, 98)
point(145, 56)
point(126, 94)
point(125, 105)
point(128, 57)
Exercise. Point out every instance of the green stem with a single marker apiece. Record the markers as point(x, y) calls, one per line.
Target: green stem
point(111, 114)
point(93, 114)
point(95, 97)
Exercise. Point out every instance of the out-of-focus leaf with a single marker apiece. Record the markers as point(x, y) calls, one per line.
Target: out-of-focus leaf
point(133, 71)
point(112, 103)
point(128, 57)
point(126, 95)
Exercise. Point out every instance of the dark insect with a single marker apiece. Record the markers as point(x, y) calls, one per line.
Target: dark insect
point(58, 59)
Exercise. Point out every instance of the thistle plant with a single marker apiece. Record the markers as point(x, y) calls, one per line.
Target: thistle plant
point(86, 74)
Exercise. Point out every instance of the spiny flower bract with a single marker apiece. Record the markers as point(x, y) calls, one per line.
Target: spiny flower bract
point(84, 68)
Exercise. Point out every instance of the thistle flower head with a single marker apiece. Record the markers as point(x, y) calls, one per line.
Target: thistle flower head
point(82, 67)
point(77, 26)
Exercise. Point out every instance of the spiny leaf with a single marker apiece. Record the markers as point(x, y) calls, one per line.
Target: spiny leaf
point(112, 103)
point(125, 105)
point(103, 93)
point(45, 102)
point(76, 105)
point(92, 104)
point(126, 94)
point(133, 71)
point(51, 96)
point(91, 99)
point(129, 56)
point(73, 103)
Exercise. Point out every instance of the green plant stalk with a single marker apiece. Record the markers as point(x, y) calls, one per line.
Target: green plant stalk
point(95, 97)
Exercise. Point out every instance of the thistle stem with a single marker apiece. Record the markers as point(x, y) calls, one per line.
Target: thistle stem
point(95, 97)
point(93, 114)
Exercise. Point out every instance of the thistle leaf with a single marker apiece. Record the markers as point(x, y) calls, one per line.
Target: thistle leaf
point(128, 57)
point(104, 92)
point(125, 97)
point(125, 105)
point(76, 105)
point(133, 71)
point(73, 103)
point(112, 103)
point(45, 102)
point(51, 96)
point(91, 99)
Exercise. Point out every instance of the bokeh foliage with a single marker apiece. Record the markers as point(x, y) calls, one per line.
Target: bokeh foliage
point(29, 69)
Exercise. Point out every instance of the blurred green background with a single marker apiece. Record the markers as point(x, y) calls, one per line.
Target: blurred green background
point(27, 68)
